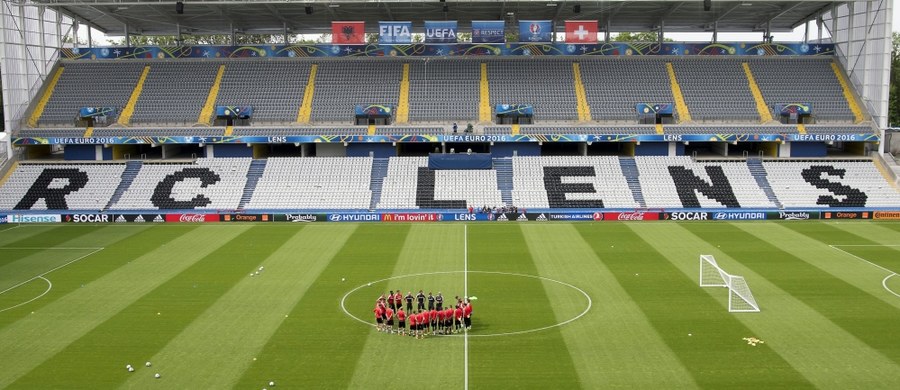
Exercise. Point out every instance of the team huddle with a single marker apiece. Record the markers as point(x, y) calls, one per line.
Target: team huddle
point(433, 319)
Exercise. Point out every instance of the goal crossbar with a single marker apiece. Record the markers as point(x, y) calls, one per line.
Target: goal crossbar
point(740, 299)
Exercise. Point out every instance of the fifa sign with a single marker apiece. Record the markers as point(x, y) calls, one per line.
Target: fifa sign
point(394, 32)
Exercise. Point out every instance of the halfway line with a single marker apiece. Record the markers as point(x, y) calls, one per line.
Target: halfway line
point(466, 295)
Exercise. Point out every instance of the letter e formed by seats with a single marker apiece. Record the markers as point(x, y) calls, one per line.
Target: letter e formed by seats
point(162, 195)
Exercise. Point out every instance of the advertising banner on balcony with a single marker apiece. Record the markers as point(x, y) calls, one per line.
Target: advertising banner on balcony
point(395, 32)
point(89, 112)
point(794, 108)
point(348, 33)
point(440, 31)
point(652, 109)
point(534, 31)
point(581, 31)
point(488, 31)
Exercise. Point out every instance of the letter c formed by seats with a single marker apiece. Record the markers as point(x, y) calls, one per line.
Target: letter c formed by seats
point(162, 195)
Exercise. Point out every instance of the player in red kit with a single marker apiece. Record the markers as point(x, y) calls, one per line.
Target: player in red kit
point(412, 324)
point(423, 323)
point(379, 314)
point(434, 320)
point(389, 323)
point(457, 317)
point(401, 321)
point(467, 314)
point(448, 320)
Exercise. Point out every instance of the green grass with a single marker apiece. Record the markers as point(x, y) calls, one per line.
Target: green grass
point(181, 296)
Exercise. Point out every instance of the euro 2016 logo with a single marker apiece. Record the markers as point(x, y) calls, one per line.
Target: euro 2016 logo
point(534, 28)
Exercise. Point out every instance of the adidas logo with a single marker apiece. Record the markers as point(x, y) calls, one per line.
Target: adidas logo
point(521, 217)
point(120, 219)
point(542, 217)
point(139, 219)
point(502, 217)
point(158, 218)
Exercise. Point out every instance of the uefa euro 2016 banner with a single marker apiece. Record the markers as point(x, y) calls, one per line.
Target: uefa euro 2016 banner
point(395, 32)
point(440, 31)
point(488, 31)
point(535, 31)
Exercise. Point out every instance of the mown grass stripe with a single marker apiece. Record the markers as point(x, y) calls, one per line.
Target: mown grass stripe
point(56, 236)
point(178, 301)
point(428, 248)
point(536, 360)
point(871, 320)
point(629, 343)
point(14, 233)
point(318, 345)
point(876, 243)
point(35, 338)
point(840, 265)
point(806, 339)
point(215, 349)
point(676, 307)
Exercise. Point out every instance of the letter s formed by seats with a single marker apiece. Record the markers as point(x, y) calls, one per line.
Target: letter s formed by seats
point(162, 195)
point(854, 197)
point(55, 198)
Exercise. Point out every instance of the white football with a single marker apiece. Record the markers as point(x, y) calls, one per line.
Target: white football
point(261, 268)
point(147, 364)
point(272, 383)
point(370, 284)
point(343, 279)
point(130, 369)
point(156, 376)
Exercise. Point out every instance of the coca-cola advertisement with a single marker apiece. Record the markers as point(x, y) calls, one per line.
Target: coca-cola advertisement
point(631, 216)
point(192, 218)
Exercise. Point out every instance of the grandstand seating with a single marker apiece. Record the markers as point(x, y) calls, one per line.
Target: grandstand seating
point(802, 80)
point(288, 131)
point(90, 84)
point(704, 184)
point(274, 88)
point(636, 129)
point(730, 129)
point(343, 84)
point(842, 129)
point(175, 92)
point(55, 132)
point(715, 89)
point(314, 183)
point(545, 83)
point(406, 188)
point(444, 90)
point(91, 185)
point(209, 184)
point(835, 183)
point(412, 130)
point(158, 132)
point(614, 85)
point(601, 181)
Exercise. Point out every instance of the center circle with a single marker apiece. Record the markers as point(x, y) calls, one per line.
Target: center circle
point(480, 328)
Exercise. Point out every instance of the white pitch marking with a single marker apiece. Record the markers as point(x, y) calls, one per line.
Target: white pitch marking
point(54, 269)
point(586, 310)
point(883, 281)
point(49, 286)
point(466, 295)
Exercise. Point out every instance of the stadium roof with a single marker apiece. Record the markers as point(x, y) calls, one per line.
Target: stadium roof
point(159, 17)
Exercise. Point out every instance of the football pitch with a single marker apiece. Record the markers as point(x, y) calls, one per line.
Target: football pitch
point(559, 305)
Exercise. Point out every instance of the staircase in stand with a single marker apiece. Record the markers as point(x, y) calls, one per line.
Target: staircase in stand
point(759, 173)
point(630, 170)
point(132, 168)
point(254, 173)
point(504, 168)
point(379, 171)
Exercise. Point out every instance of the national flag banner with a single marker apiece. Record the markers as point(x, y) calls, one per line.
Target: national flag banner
point(443, 31)
point(348, 33)
point(488, 31)
point(395, 32)
point(581, 31)
point(535, 31)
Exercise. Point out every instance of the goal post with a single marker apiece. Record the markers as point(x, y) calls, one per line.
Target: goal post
point(740, 299)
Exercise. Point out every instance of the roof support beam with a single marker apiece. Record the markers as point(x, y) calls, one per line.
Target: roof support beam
point(768, 21)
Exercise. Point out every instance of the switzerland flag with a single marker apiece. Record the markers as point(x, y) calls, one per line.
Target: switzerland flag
point(581, 31)
point(348, 33)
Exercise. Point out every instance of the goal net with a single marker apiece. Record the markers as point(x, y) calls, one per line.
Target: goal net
point(740, 299)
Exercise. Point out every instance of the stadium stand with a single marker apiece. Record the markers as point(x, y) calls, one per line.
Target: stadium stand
point(730, 129)
point(553, 182)
point(802, 80)
point(409, 184)
point(174, 92)
point(636, 129)
point(680, 182)
point(60, 186)
point(62, 133)
point(545, 83)
point(90, 84)
point(159, 132)
point(444, 90)
point(341, 85)
point(286, 131)
point(209, 183)
point(274, 88)
point(831, 183)
point(314, 183)
point(412, 130)
point(716, 89)
point(614, 85)
point(842, 129)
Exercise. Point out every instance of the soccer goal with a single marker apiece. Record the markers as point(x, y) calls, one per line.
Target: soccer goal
point(740, 299)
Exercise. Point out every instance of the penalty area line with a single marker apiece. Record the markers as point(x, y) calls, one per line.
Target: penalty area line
point(883, 281)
